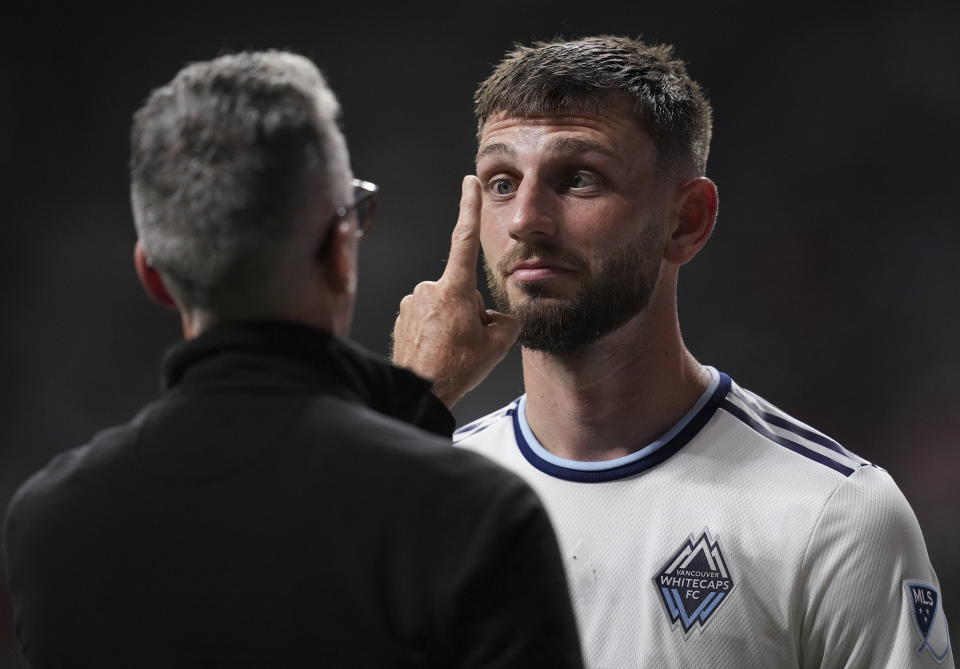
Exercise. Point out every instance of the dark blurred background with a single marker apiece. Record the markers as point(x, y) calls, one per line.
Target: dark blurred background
point(829, 287)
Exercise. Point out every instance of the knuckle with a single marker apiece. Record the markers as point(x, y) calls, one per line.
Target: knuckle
point(426, 292)
point(461, 233)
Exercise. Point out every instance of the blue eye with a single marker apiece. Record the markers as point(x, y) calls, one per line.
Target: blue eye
point(584, 180)
point(502, 187)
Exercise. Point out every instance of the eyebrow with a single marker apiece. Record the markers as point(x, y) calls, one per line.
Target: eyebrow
point(559, 145)
point(497, 148)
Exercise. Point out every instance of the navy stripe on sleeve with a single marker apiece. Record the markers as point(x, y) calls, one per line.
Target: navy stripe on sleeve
point(736, 411)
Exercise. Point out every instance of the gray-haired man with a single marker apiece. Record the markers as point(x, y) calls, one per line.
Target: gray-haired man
point(280, 505)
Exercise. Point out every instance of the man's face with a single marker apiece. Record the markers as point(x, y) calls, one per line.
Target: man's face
point(571, 223)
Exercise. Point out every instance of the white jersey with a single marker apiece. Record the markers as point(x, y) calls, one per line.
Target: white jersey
point(741, 538)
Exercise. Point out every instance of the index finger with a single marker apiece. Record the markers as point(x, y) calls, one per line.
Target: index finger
point(465, 241)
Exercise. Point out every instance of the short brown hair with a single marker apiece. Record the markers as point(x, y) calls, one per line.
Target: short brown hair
point(581, 75)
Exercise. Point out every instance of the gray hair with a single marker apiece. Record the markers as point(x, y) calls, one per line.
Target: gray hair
point(225, 159)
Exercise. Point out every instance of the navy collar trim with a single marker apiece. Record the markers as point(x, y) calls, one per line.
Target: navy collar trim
point(598, 473)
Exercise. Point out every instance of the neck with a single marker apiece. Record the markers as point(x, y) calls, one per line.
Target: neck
point(613, 397)
point(194, 325)
point(315, 309)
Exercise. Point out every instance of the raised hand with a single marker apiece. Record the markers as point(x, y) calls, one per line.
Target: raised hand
point(444, 332)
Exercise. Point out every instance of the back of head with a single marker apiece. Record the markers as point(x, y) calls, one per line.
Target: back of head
point(583, 75)
point(227, 161)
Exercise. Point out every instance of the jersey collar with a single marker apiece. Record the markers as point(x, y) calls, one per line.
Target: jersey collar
point(640, 460)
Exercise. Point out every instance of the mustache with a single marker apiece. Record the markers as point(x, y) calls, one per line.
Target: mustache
point(542, 251)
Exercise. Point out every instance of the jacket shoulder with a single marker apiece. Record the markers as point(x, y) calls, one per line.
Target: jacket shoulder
point(379, 442)
point(66, 472)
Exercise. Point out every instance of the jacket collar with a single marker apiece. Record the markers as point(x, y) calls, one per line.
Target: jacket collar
point(282, 356)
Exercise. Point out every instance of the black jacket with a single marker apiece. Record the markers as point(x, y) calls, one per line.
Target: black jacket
point(278, 508)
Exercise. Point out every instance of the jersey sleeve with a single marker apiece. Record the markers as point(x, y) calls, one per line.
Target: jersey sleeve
point(869, 597)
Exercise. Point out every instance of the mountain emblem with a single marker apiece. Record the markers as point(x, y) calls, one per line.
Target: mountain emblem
point(694, 582)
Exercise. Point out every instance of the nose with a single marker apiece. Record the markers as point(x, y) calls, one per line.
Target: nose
point(532, 217)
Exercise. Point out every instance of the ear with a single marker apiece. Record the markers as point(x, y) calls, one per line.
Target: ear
point(150, 279)
point(339, 258)
point(695, 218)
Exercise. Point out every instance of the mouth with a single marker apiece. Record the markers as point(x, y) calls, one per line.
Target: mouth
point(537, 270)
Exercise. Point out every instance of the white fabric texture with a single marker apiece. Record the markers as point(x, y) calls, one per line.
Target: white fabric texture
point(805, 551)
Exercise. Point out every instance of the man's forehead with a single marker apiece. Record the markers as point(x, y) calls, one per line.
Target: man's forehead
point(610, 116)
point(608, 131)
point(559, 144)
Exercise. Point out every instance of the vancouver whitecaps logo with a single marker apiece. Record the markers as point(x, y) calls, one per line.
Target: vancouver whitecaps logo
point(694, 582)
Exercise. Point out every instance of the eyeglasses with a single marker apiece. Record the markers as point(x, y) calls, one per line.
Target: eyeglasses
point(364, 204)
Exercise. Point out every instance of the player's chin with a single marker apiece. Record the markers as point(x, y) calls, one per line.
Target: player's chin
point(547, 290)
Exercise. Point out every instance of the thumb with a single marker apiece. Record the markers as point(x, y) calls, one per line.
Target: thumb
point(502, 329)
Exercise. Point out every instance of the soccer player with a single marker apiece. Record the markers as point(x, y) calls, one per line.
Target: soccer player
point(282, 504)
point(701, 525)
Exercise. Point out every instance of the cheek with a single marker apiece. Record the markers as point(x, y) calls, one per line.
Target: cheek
point(490, 252)
point(606, 223)
point(492, 234)
point(592, 227)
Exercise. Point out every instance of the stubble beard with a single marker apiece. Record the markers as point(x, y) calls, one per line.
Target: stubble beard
point(609, 297)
